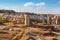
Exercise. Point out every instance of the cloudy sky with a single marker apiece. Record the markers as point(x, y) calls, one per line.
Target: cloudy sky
point(36, 6)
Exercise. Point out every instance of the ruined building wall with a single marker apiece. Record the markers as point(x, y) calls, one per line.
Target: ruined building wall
point(25, 18)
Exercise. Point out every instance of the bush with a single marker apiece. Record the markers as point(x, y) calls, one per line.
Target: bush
point(2, 21)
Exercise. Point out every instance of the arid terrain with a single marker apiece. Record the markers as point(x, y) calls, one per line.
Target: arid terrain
point(30, 27)
point(42, 33)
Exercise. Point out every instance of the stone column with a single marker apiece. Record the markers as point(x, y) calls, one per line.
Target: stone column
point(42, 19)
point(57, 20)
point(27, 20)
point(48, 21)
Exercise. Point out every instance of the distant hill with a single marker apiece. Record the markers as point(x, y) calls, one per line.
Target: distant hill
point(8, 11)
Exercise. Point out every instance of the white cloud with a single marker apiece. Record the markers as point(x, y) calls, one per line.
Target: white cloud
point(34, 7)
point(40, 4)
point(31, 4)
point(39, 8)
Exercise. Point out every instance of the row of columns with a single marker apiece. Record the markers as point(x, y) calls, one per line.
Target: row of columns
point(26, 17)
point(52, 20)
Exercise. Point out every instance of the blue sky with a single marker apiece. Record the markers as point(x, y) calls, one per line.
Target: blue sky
point(37, 6)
